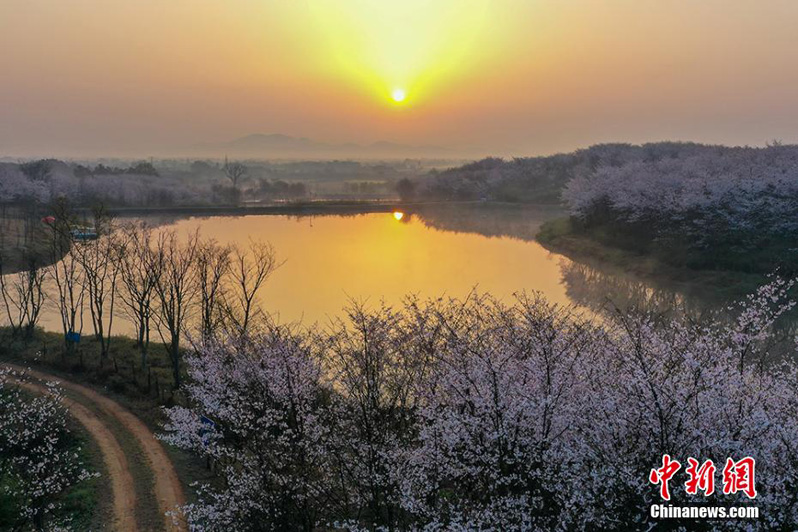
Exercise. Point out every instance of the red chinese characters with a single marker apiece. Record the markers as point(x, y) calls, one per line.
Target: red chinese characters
point(701, 478)
point(663, 475)
point(739, 476)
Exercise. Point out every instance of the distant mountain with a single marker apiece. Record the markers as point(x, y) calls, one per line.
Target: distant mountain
point(277, 146)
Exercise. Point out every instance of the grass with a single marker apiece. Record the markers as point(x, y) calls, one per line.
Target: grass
point(142, 391)
point(120, 375)
point(85, 503)
point(560, 235)
point(22, 240)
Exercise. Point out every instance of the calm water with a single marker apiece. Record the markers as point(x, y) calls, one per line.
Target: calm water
point(331, 260)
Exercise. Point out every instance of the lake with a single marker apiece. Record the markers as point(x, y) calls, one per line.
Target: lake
point(330, 261)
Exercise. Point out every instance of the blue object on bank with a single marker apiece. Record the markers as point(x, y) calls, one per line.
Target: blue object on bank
point(73, 337)
point(84, 233)
point(204, 431)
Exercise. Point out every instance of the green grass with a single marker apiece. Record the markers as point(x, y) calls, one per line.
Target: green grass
point(142, 391)
point(561, 236)
point(85, 503)
point(120, 374)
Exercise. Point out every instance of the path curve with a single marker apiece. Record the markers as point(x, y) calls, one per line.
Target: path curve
point(122, 487)
point(168, 490)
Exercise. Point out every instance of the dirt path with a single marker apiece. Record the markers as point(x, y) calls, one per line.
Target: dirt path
point(122, 486)
point(168, 490)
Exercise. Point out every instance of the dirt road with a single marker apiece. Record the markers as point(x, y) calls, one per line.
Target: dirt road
point(168, 490)
point(122, 486)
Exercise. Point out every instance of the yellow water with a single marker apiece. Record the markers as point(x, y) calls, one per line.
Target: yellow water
point(330, 260)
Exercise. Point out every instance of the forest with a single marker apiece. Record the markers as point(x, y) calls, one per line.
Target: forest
point(170, 183)
point(458, 415)
point(709, 208)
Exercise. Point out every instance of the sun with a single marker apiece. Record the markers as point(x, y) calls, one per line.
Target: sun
point(398, 95)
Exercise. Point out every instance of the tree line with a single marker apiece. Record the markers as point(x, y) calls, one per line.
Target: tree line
point(481, 415)
point(166, 284)
point(714, 207)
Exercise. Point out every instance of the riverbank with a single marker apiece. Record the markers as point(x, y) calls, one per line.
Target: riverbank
point(121, 375)
point(560, 236)
point(317, 207)
point(22, 242)
point(300, 208)
point(120, 379)
point(26, 239)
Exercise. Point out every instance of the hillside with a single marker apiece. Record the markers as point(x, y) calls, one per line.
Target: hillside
point(542, 179)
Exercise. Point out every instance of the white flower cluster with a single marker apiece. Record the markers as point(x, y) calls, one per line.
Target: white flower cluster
point(476, 415)
point(38, 455)
point(704, 192)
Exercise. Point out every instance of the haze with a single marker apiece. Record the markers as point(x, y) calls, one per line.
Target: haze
point(504, 77)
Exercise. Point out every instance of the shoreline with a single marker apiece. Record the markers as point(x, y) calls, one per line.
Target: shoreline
point(321, 207)
point(292, 208)
point(557, 236)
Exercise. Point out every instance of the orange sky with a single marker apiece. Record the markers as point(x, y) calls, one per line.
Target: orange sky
point(511, 77)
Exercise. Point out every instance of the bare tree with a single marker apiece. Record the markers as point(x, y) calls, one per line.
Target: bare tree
point(23, 296)
point(138, 281)
point(213, 266)
point(100, 261)
point(249, 269)
point(234, 171)
point(67, 274)
point(175, 286)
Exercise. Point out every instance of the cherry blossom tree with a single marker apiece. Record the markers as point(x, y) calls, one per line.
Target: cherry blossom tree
point(474, 414)
point(372, 366)
point(38, 459)
point(257, 412)
point(731, 199)
point(496, 411)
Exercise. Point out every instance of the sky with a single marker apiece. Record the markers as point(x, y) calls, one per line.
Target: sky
point(504, 77)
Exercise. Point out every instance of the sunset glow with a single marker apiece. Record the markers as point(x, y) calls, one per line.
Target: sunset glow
point(507, 77)
point(398, 264)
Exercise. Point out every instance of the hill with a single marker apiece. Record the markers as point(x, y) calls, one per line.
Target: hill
point(541, 179)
